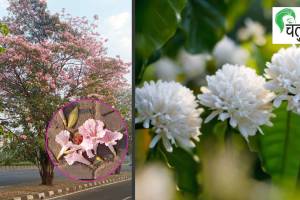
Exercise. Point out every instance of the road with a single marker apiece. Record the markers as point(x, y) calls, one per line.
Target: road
point(21, 176)
point(115, 191)
point(24, 176)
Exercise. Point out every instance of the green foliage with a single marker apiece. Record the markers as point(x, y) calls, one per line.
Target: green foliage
point(199, 27)
point(184, 166)
point(4, 29)
point(186, 169)
point(156, 23)
point(199, 16)
point(234, 10)
point(279, 147)
point(205, 22)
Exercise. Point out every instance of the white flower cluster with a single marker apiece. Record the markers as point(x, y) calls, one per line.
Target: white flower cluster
point(172, 111)
point(283, 73)
point(237, 93)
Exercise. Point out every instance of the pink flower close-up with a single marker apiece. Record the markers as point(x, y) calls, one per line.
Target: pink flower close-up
point(92, 128)
point(76, 157)
point(89, 144)
point(110, 138)
point(90, 134)
point(63, 138)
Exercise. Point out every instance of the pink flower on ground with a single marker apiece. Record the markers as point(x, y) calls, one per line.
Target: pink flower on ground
point(63, 138)
point(76, 157)
point(110, 138)
point(74, 152)
point(91, 130)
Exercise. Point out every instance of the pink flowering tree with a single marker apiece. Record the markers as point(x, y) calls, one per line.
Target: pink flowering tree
point(50, 59)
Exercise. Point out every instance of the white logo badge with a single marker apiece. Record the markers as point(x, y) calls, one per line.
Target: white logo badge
point(286, 25)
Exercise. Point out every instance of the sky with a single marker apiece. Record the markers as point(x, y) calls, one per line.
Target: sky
point(114, 21)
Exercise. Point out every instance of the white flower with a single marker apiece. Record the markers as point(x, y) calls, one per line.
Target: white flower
point(237, 93)
point(252, 30)
point(172, 111)
point(193, 65)
point(284, 77)
point(166, 69)
point(154, 182)
point(226, 51)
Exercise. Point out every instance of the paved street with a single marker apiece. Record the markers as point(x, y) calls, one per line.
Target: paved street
point(21, 176)
point(117, 191)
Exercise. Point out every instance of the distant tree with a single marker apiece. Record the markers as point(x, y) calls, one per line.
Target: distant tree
point(50, 59)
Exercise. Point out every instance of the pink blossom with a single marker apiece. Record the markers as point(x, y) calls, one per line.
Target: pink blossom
point(110, 138)
point(63, 138)
point(91, 130)
point(43, 1)
point(89, 144)
point(23, 137)
point(76, 157)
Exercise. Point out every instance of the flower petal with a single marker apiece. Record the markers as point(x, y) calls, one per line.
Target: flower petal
point(110, 137)
point(76, 157)
point(211, 116)
point(91, 128)
point(167, 144)
point(62, 138)
point(154, 141)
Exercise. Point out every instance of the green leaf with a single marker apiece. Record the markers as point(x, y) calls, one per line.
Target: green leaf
point(4, 29)
point(206, 21)
point(156, 23)
point(182, 164)
point(186, 170)
point(73, 117)
point(234, 9)
point(2, 49)
point(203, 25)
point(267, 4)
point(279, 148)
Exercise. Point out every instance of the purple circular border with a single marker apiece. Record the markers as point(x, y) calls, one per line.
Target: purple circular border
point(118, 163)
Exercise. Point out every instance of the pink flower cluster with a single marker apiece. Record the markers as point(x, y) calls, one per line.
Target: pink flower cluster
point(91, 134)
point(64, 56)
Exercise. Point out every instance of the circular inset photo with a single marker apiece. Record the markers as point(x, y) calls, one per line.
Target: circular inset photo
point(87, 140)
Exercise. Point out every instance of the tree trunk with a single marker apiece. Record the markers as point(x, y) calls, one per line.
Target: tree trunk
point(118, 170)
point(46, 169)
